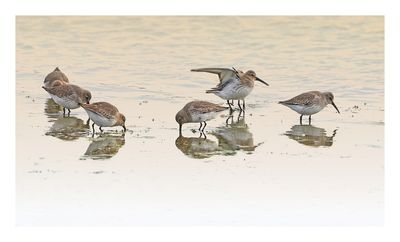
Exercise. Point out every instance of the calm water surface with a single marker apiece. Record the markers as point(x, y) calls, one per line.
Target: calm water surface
point(263, 168)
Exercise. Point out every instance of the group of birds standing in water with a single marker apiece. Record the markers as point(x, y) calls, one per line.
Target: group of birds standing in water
point(237, 85)
point(234, 85)
point(71, 96)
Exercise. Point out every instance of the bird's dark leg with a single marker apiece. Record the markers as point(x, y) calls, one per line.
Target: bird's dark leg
point(203, 134)
point(309, 119)
point(69, 111)
point(240, 115)
point(205, 124)
point(230, 117)
point(201, 124)
point(63, 111)
point(88, 122)
point(231, 112)
point(240, 107)
point(100, 129)
point(230, 107)
point(227, 120)
point(232, 102)
point(93, 128)
point(244, 105)
point(301, 119)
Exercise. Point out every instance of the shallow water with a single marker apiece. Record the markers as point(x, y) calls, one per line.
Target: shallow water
point(260, 168)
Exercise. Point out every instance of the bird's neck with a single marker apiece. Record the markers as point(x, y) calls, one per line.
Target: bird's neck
point(247, 82)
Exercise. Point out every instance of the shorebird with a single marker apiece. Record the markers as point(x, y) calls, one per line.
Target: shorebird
point(224, 74)
point(310, 103)
point(198, 112)
point(236, 88)
point(104, 114)
point(68, 96)
point(55, 77)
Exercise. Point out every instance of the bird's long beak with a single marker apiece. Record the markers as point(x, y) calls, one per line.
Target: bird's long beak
point(123, 126)
point(335, 107)
point(258, 79)
point(180, 129)
point(236, 72)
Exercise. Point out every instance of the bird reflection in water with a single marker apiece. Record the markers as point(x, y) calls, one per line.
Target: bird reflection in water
point(198, 148)
point(52, 109)
point(223, 141)
point(235, 135)
point(104, 146)
point(68, 128)
point(310, 135)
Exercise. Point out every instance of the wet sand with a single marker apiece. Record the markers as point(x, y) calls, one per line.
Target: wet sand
point(262, 168)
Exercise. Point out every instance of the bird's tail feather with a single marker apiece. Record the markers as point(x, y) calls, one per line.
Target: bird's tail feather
point(211, 91)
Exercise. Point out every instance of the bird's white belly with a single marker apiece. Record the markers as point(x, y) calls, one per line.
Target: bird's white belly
point(65, 102)
point(235, 92)
point(100, 120)
point(306, 110)
point(201, 117)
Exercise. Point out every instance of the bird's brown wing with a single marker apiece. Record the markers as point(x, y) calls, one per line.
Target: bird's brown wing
point(102, 108)
point(206, 107)
point(224, 74)
point(56, 75)
point(61, 90)
point(307, 98)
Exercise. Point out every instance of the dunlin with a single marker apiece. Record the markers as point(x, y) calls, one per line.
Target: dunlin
point(224, 74)
point(55, 77)
point(310, 103)
point(68, 96)
point(236, 88)
point(197, 112)
point(104, 114)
